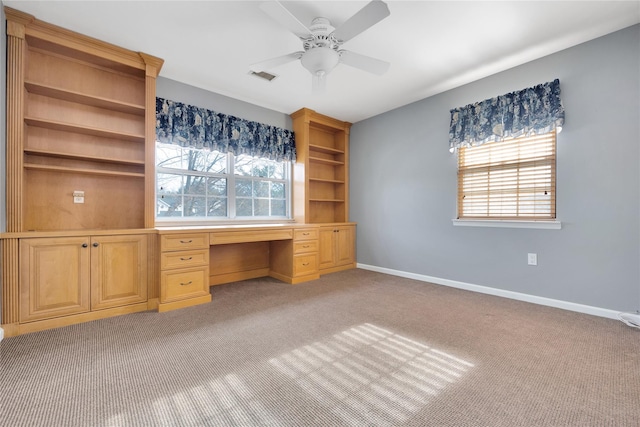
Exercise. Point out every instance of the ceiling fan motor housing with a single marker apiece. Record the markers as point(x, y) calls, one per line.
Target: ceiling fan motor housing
point(322, 32)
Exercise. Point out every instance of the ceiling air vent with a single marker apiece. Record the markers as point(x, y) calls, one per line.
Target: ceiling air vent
point(263, 75)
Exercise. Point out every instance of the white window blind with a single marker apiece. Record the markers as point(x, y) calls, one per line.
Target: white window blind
point(510, 179)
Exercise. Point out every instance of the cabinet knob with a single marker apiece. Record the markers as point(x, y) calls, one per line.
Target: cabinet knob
point(84, 245)
point(96, 244)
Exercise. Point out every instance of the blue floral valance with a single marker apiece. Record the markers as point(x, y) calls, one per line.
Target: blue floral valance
point(189, 126)
point(534, 110)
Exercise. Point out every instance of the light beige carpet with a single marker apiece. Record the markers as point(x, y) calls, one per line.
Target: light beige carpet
point(355, 348)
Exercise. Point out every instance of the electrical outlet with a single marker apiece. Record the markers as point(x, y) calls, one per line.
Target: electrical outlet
point(532, 259)
point(78, 196)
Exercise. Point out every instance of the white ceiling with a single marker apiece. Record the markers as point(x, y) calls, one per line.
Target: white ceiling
point(432, 46)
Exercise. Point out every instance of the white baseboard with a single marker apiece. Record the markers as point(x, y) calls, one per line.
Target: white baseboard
point(580, 308)
point(1, 334)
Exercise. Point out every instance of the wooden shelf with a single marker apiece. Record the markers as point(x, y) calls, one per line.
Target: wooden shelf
point(327, 200)
point(68, 127)
point(323, 149)
point(62, 155)
point(80, 98)
point(325, 161)
point(50, 168)
point(330, 181)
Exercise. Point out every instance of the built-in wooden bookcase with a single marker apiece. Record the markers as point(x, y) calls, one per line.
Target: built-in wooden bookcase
point(321, 172)
point(80, 121)
point(78, 112)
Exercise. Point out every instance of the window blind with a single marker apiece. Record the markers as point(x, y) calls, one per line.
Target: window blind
point(510, 179)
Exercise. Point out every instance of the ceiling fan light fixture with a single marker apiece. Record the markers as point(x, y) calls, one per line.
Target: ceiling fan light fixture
point(320, 60)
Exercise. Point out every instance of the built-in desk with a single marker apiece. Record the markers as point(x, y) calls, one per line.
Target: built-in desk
point(194, 258)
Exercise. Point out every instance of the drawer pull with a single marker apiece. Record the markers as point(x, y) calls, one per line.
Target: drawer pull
point(186, 241)
point(186, 259)
point(304, 264)
point(305, 246)
point(305, 234)
point(186, 284)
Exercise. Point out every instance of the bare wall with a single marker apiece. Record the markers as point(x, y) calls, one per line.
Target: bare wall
point(403, 185)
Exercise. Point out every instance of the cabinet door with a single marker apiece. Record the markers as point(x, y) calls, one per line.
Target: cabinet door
point(118, 270)
point(54, 277)
point(345, 253)
point(327, 247)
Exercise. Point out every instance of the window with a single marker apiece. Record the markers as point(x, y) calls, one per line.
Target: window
point(513, 179)
point(197, 185)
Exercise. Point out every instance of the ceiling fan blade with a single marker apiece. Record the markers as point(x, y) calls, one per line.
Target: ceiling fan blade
point(275, 62)
point(371, 14)
point(365, 63)
point(281, 15)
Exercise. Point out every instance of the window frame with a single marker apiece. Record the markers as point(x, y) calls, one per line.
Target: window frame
point(230, 175)
point(531, 220)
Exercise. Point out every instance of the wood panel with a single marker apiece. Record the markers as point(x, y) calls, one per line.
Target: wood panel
point(90, 147)
point(53, 70)
point(50, 203)
point(54, 277)
point(73, 113)
point(118, 271)
point(238, 257)
point(153, 269)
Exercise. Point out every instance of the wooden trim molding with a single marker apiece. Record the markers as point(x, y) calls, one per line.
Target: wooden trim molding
point(16, 48)
point(10, 283)
point(150, 156)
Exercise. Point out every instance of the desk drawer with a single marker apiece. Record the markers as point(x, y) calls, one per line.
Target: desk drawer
point(306, 234)
point(305, 247)
point(179, 242)
point(183, 259)
point(305, 264)
point(228, 237)
point(182, 284)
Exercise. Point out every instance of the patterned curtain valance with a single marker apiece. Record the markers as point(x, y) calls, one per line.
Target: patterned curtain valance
point(534, 110)
point(195, 127)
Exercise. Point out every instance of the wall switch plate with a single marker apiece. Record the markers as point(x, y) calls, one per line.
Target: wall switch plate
point(532, 259)
point(78, 196)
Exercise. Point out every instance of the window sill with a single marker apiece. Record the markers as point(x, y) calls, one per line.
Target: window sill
point(546, 225)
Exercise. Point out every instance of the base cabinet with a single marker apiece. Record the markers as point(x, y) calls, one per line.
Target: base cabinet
point(337, 248)
point(184, 270)
point(296, 261)
point(64, 276)
point(118, 271)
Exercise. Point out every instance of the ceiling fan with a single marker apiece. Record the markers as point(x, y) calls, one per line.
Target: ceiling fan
point(322, 43)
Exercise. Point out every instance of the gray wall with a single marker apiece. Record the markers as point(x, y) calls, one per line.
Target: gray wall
point(403, 185)
point(181, 92)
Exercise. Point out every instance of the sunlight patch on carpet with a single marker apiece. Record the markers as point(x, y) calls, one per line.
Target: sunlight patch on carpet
point(369, 374)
